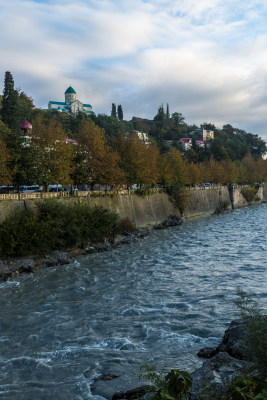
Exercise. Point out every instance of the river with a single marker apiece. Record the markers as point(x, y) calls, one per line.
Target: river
point(161, 298)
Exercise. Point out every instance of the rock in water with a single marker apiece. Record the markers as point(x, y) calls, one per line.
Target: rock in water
point(206, 352)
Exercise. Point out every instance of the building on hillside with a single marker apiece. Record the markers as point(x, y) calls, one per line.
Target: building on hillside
point(206, 134)
point(143, 137)
point(200, 143)
point(25, 127)
point(71, 104)
point(186, 143)
point(26, 130)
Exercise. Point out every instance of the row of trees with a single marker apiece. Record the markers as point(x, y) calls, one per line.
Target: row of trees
point(117, 113)
point(47, 158)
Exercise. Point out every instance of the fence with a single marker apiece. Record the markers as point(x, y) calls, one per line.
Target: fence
point(46, 195)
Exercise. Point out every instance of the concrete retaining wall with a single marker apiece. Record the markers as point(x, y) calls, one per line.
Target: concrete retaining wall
point(153, 209)
point(207, 201)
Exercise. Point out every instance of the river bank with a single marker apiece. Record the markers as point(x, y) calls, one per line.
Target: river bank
point(145, 212)
point(13, 267)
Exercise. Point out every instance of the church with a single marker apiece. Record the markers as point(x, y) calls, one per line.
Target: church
point(71, 105)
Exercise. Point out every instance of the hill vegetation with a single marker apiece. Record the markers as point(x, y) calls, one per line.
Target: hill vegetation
point(107, 150)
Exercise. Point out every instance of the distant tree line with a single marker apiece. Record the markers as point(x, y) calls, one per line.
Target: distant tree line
point(107, 149)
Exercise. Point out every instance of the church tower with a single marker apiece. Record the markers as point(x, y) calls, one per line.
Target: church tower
point(70, 95)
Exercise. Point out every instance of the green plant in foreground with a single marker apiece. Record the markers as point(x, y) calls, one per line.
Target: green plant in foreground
point(254, 321)
point(175, 385)
point(243, 388)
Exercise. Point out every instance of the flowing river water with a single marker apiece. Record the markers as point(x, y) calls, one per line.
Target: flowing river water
point(162, 298)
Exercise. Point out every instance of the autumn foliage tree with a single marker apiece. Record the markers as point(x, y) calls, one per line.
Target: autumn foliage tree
point(53, 156)
point(6, 173)
point(173, 168)
point(97, 162)
point(139, 161)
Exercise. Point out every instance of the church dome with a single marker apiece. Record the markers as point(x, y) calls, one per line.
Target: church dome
point(70, 90)
point(25, 125)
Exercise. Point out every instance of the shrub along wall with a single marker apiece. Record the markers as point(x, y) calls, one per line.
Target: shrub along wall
point(56, 225)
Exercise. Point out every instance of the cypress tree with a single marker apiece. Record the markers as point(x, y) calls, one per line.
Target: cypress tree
point(167, 112)
point(10, 97)
point(120, 113)
point(113, 111)
point(161, 116)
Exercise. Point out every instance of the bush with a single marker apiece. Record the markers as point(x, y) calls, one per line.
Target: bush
point(243, 388)
point(249, 193)
point(22, 233)
point(57, 225)
point(178, 195)
point(127, 226)
point(72, 224)
point(173, 386)
point(255, 325)
point(144, 192)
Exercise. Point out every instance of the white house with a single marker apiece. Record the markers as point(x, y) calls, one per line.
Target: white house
point(206, 134)
point(143, 137)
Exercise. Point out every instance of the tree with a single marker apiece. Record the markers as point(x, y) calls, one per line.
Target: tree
point(53, 156)
point(167, 112)
point(113, 110)
point(120, 113)
point(230, 171)
point(160, 116)
point(250, 167)
point(6, 173)
point(193, 174)
point(97, 162)
point(216, 171)
point(22, 156)
point(24, 107)
point(208, 126)
point(9, 102)
point(138, 161)
point(178, 118)
point(173, 168)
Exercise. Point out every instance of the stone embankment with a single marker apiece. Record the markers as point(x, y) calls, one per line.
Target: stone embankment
point(151, 209)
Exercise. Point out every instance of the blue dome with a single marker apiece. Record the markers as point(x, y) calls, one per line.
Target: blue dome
point(70, 90)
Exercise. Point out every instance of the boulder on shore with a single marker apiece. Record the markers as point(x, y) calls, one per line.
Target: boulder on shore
point(228, 361)
point(171, 220)
point(233, 342)
point(213, 378)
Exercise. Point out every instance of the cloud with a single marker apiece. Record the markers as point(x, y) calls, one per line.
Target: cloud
point(206, 59)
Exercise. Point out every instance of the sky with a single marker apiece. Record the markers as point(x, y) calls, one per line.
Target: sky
point(206, 58)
